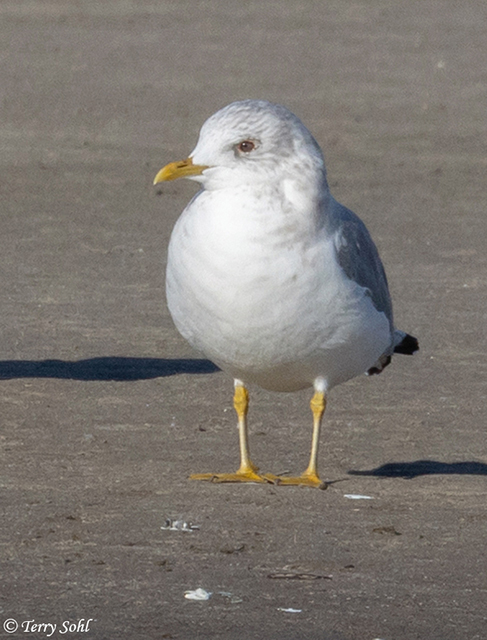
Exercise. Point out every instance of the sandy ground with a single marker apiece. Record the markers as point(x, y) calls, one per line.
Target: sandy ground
point(105, 410)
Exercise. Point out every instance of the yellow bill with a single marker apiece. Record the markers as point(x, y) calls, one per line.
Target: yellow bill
point(181, 169)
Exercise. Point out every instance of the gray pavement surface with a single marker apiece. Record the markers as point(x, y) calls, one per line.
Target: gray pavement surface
point(105, 410)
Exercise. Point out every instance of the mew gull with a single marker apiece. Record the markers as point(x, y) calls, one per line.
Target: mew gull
point(269, 276)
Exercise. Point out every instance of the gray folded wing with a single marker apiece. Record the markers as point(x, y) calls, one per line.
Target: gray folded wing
point(358, 256)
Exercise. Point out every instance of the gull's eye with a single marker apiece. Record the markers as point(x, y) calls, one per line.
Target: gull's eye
point(246, 146)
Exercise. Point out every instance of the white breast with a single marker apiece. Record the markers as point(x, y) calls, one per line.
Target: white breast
point(261, 294)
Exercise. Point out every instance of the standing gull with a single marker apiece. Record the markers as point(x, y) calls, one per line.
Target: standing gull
point(269, 276)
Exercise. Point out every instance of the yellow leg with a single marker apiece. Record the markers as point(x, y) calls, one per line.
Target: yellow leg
point(247, 471)
point(310, 477)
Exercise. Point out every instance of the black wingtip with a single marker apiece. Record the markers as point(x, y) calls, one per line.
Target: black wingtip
point(407, 346)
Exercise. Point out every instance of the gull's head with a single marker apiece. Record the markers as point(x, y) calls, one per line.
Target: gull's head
point(249, 142)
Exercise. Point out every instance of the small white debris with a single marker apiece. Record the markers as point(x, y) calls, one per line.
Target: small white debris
point(198, 594)
point(357, 496)
point(179, 525)
point(233, 599)
point(290, 610)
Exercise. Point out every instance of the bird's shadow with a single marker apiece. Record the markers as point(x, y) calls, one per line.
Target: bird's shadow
point(124, 369)
point(409, 470)
point(104, 368)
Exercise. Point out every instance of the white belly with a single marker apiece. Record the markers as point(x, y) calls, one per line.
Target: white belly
point(267, 305)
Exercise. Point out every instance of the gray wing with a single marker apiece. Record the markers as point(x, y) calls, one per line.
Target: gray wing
point(358, 256)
